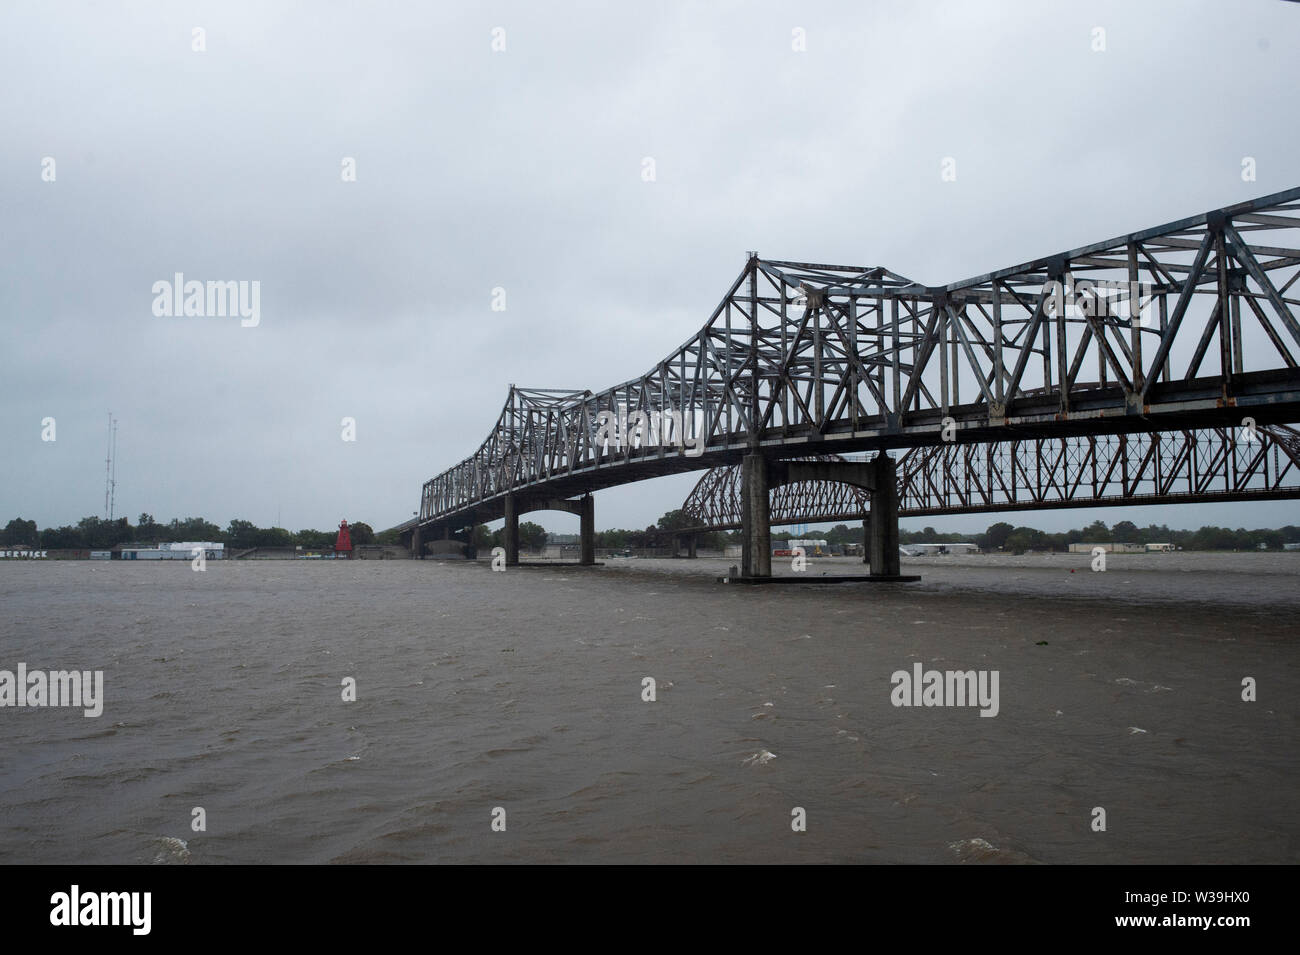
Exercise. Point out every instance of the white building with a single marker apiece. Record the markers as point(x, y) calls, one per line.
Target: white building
point(1110, 548)
point(922, 550)
point(186, 550)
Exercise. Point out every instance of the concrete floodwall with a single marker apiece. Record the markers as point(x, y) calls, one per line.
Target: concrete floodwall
point(380, 552)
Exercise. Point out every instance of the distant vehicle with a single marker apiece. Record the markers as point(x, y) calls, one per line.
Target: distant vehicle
point(811, 548)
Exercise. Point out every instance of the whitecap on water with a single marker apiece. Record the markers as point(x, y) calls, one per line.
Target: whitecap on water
point(981, 850)
point(169, 850)
point(968, 848)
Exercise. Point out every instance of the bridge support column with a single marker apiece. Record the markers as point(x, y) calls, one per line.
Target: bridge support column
point(510, 533)
point(690, 546)
point(417, 543)
point(756, 551)
point(883, 520)
point(587, 530)
point(866, 538)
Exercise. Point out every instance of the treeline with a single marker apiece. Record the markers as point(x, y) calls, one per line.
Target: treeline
point(1008, 537)
point(94, 533)
point(660, 534)
point(1000, 536)
point(1004, 536)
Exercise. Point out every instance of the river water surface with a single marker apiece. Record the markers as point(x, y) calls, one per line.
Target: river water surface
point(523, 691)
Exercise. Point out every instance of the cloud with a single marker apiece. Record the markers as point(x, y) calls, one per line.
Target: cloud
point(522, 170)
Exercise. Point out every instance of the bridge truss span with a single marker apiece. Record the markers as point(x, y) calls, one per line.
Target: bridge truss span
point(1181, 327)
point(1166, 467)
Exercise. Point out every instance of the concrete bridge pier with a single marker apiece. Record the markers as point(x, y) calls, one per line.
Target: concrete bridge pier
point(587, 529)
point(882, 538)
point(510, 532)
point(878, 477)
point(417, 544)
point(756, 517)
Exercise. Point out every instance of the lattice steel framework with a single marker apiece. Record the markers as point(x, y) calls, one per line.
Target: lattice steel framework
point(1196, 328)
point(715, 501)
point(1167, 467)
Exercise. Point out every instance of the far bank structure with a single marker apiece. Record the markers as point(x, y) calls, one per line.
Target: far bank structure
point(212, 550)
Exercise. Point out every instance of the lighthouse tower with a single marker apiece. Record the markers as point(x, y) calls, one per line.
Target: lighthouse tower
point(343, 546)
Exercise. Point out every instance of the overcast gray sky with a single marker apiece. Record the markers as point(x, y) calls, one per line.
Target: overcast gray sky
point(522, 169)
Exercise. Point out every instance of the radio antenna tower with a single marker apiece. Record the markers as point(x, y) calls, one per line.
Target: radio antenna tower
point(112, 483)
point(110, 469)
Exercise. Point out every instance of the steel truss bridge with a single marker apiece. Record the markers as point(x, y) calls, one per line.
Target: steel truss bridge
point(1186, 326)
point(1165, 467)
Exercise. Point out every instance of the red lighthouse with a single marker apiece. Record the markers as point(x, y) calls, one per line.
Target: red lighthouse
point(343, 546)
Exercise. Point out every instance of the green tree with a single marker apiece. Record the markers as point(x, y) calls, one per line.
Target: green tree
point(614, 539)
point(1097, 532)
point(997, 535)
point(532, 536)
point(63, 538)
point(675, 520)
point(314, 540)
point(362, 534)
point(93, 532)
point(1272, 539)
point(19, 531)
point(841, 534)
point(99, 534)
point(1125, 532)
point(241, 534)
point(278, 537)
point(193, 529)
point(147, 529)
point(1023, 538)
